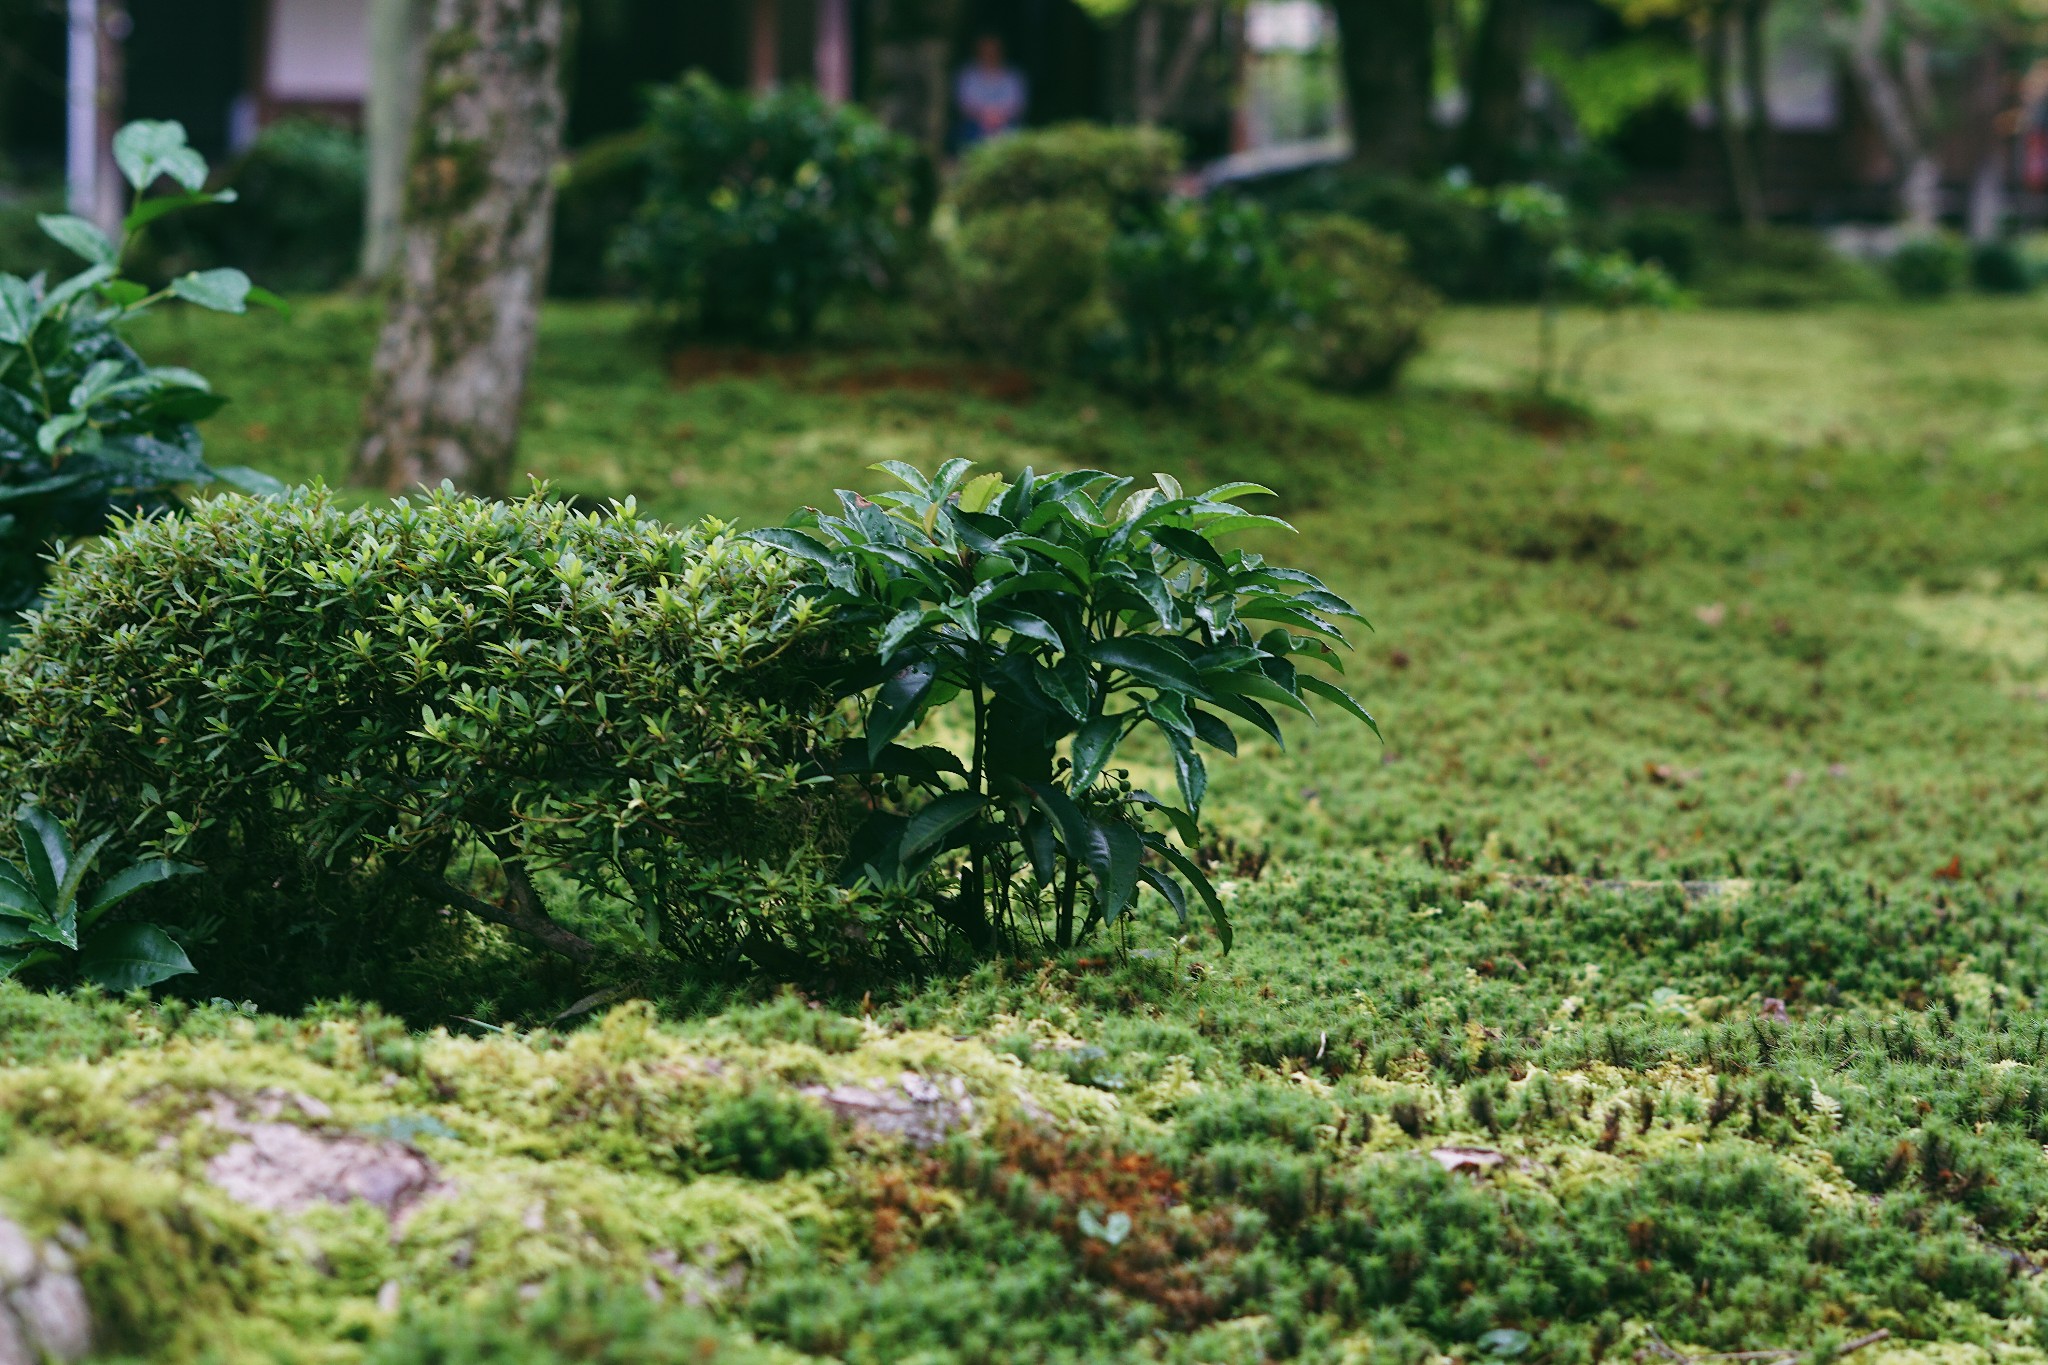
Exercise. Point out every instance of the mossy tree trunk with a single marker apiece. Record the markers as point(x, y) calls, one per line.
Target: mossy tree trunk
point(451, 364)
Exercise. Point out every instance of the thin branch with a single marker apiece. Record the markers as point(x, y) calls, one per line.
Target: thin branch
point(525, 918)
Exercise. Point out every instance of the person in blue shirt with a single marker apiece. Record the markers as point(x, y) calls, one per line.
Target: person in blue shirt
point(989, 93)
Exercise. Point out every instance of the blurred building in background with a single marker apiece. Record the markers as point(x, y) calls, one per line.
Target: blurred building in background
point(1255, 88)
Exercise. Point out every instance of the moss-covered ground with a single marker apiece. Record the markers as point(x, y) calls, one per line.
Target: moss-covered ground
point(1668, 981)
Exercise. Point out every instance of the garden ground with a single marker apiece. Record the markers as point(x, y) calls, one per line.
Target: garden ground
point(1668, 980)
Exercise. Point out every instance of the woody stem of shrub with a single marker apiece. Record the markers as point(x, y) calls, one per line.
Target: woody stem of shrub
point(521, 912)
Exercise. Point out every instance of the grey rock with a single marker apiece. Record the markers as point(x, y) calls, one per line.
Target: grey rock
point(918, 1109)
point(43, 1313)
point(283, 1167)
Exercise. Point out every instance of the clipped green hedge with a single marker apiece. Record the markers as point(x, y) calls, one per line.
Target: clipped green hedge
point(1113, 169)
point(421, 689)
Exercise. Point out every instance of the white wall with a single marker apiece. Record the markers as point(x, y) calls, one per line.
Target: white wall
point(318, 50)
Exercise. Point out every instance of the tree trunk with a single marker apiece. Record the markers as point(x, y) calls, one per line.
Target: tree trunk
point(1757, 96)
point(1744, 191)
point(450, 371)
point(1387, 49)
point(1987, 186)
point(398, 45)
point(1919, 179)
point(1162, 83)
point(1496, 88)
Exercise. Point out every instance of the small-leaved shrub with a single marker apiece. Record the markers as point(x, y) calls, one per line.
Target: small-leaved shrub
point(264, 685)
point(1026, 282)
point(1359, 314)
point(762, 209)
point(1055, 617)
point(1118, 170)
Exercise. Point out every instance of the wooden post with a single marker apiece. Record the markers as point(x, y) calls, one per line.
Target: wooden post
point(834, 53)
point(764, 46)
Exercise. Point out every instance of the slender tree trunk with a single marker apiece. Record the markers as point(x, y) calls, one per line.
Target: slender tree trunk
point(1987, 186)
point(450, 371)
point(1496, 87)
point(1891, 105)
point(1743, 188)
point(1387, 49)
point(1757, 96)
point(398, 45)
point(1161, 82)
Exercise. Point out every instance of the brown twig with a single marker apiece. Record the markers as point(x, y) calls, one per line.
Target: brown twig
point(520, 914)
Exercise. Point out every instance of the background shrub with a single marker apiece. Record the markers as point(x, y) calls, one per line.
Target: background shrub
point(1193, 288)
point(2000, 267)
point(1675, 241)
point(298, 215)
point(1781, 267)
point(1457, 244)
point(1929, 267)
point(1118, 170)
point(397, 692)
point(761, 210)
point(1025, 282)
point(599, 191)
point(1360, 314)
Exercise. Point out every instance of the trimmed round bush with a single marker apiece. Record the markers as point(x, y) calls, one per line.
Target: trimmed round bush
point(760, 210)
point(1193, 289)
point(2000, 267)
point(1025, 282)
point(485, 706)
point(1361, 315)
point(1115, 169)
point(1929, 267)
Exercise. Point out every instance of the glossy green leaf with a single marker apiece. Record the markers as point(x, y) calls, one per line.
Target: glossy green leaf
point(19, 309)
point(1196, 878)
point(132, 957)
point(1148, 661)
point(1119, 873)
point(1094, 744)
point(224, 290)
point(1344, 700)
point(938, 818)
point(78, 235)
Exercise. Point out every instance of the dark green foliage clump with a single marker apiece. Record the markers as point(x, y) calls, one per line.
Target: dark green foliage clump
point(298, 217)
point(298, 697)
point(2001, 267)
point(1359, 314)
point(1193, 288)
point(1929, 267)
point(1065, 612)
point(761, 210)
point(764, 1135)
point(600, 190)
point(1120, 171)
point(1025, 283)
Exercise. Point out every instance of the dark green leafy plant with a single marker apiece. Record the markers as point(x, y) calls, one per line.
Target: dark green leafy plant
point(86, 427)
point(1061, 615)
point(1931, 266)
point(1025, 283)
point(1194, 286)
point(761, 209)
point(47, 917)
